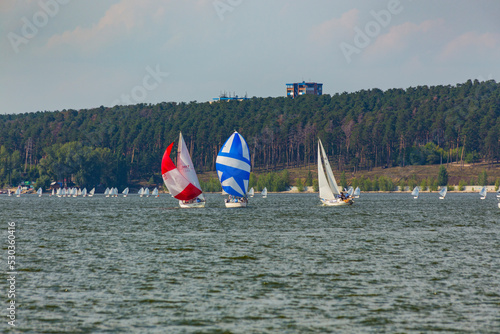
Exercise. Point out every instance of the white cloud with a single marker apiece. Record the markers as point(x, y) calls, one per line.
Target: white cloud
point(472, 43)
point(419, 38)
point(119, 20)
point(331, 30)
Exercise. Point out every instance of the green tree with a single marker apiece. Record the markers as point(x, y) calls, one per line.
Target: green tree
point(309, 179)
point(343, 180)
point(315, 185)
point(299, 184)
point(482, 178)
point(461, 185)
point(442, 176)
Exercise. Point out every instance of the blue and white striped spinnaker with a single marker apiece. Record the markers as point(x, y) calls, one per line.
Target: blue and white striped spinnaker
point(233, 165)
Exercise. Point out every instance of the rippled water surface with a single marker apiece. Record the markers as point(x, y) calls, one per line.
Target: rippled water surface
point(388, 264)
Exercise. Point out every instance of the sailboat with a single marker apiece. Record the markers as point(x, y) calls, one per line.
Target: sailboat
point(264, 192)
point(141, 192)
point(356, 192)
point(91, 193)
point(146, 192)
point(79, 192)
point(39, 192)
point(115, 192)
point(415, 192)
point(125, 192)
point(106, 192)
point(59, 192)
point(233, 168)
point(442, 192)
point(155, 192)
point(75, 192)
point(53, 192)
point(84, 192)
point(18, 192)
point(483, 193)
point(328, 189)
point(251, 192)
point(181, 180)
point(8, 192)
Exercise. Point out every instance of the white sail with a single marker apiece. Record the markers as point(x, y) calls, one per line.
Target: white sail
point(75, 192)
point(251, 192)
point(329, 173)
point(185, 165)
point(18, 192)
point(325, 192)
point(106, 192)
point(483, 193)
point(84, 192)
point(39, 192)
point(9, 194)
point(125, 192)
point(91, 193)
point(155, 192)
point(356, 192)
point(141, 192)
point(146, 192)
point(442, 192)
point(53, 192)
point(415, 192)
point(80, 192)
point(59, 192)
point(264, 192)
point(115, 192)
point(350, 191)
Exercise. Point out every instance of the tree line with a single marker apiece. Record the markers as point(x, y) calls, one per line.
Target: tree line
point(361, 130)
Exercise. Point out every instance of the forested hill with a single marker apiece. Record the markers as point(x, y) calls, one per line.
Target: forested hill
point(421, 125)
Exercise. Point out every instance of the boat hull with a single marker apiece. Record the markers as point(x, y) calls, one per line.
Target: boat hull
point(337, 202)
point(191, 205)
point(236, 205)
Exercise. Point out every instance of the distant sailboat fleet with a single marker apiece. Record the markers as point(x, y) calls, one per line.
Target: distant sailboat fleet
point(233, 170)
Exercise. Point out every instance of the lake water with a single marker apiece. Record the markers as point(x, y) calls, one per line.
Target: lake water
point(387, 264)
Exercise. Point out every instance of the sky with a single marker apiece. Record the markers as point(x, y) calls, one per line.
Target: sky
point(75, 54)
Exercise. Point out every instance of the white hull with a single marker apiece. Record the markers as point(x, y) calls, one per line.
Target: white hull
point(236, 205)
point(192, 205)
point(336, 202)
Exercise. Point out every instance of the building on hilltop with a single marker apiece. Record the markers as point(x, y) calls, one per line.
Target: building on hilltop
point(227, 97)
point(303, 88)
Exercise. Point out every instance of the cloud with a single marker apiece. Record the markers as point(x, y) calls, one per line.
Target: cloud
point(472, 43)
point(119, 20)
point(328, 31)
point(419, 38)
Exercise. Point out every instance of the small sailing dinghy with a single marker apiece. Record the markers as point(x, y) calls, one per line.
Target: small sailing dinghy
point(155, 192)
point(146, 192)
point(251, 192)
point(8, 193)
point(233, 169)
point(106, 192)
point(329, 193)
point(141, 192)
point(483, 193)
point(264, 192)
point(18, 192)
point(356, 192)
point(415, 192)
point(125, 192)
point(39, 192)
point(181, 180)
point(442, 192)
point(91, 193)
point(84, 192)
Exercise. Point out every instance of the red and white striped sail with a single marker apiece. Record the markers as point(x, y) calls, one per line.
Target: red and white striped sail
point(179, 186)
